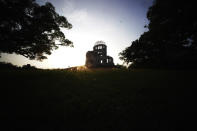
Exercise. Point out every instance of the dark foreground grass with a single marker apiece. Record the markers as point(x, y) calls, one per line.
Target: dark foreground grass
point(97, 100)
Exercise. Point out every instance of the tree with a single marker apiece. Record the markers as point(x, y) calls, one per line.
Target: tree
point(30, 29)
point(8, 66)
point(171, 40)
point(29, 67)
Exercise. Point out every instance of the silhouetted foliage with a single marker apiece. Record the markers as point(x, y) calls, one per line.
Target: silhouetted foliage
point(30, 29)
point(171, 40)
point(9, 66)
point(120, 66)
point(28, 66)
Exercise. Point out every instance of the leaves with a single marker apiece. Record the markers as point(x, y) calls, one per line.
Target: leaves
point(171, 40)
point(31, 30)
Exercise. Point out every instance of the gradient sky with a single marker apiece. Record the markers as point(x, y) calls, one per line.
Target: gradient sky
point(117, 22)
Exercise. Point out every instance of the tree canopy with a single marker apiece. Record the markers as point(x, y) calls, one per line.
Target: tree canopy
point(30, 29)
point(171, 39)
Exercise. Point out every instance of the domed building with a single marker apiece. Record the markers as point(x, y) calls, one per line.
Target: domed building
point(98, 57)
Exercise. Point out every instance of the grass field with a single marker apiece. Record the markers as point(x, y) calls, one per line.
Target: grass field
point(98, 100)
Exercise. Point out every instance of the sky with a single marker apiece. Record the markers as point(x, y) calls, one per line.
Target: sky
point(116, 22)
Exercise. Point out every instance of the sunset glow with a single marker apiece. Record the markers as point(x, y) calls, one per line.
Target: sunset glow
point(115, 22)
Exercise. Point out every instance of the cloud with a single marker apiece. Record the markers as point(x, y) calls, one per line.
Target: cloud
point(69, 9)
point(41, 2)
point(78, 16)
point(67, 6)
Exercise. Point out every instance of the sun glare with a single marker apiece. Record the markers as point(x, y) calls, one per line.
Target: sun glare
point(65, 57)
point(90, 24)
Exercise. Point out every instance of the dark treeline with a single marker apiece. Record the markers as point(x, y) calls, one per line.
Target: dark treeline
point(171, 39)
point(9, 66)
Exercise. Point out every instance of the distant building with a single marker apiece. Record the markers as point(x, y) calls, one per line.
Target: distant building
point(98, 57)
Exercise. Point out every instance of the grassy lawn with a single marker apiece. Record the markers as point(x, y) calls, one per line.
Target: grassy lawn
point(97, 100)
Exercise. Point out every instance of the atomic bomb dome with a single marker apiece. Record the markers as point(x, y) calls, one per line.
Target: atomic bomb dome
point(98, 57)
point(99, 43)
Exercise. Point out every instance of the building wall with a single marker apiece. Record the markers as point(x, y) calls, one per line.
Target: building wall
point(100, 49)
point(98, 57)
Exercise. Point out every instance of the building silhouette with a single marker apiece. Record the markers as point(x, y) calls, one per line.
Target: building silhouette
point(98, 57)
